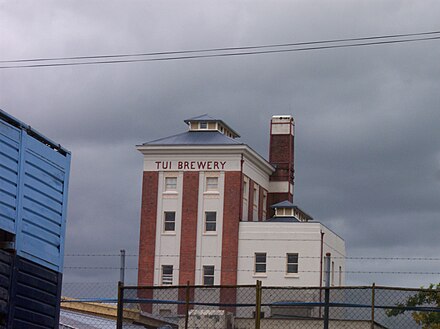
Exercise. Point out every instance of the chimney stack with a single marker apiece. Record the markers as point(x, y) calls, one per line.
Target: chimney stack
point(281, 156)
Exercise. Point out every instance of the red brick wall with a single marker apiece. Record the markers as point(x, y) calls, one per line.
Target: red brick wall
point(147, 239)
point(282, 156)
point(251, 201)
point(231, 220)
point(260, 204)
point(188, 239)
point(273, 198)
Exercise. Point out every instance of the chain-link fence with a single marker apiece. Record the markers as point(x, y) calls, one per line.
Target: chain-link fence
point(105, 305)
point(244, 307)
point(89, 305)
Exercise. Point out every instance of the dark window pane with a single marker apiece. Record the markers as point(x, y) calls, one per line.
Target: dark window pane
point(260, 258)
point(209, 281)
point(260, 268)
point(292, 258)
point(292, 268)
point(210, 227)
point(208, 275)
point(170, 221)
point(210, 221)
point(167, 269)
point(209, 270)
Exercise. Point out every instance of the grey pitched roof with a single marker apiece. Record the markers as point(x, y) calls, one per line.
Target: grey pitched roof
point(196, 138)
point(203, 117)
point(283, 204)
point(283, 220)
point(289, 205)
point(208, 118)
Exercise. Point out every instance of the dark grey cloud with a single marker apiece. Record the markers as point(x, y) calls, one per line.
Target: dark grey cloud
point(367, 144)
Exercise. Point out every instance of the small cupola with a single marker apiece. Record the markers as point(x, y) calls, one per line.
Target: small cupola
point(207, 123)
point(286, 210)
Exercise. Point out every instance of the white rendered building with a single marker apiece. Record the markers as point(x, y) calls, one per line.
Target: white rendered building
point(216, 212)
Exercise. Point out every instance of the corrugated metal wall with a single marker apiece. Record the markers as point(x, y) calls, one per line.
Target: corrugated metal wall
point(33, 195)
point(34, 296)
point(5, 284)
point(34, 174)
point(9, 168)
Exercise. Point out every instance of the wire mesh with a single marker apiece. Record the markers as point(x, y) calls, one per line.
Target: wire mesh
point(220, 307)
point(94, 305)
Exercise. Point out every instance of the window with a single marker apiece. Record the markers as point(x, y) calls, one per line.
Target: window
point(210, 221)
point(255, 196)
point(203, 125)
point(264, 205)
point(260, 262)
point(208, 275)
point(292, 263)
point(167, 275)
point(170, 221)
point(211, 183)
point(170, 184)
point(245, 187)
point(333, 273)
point(340, 276)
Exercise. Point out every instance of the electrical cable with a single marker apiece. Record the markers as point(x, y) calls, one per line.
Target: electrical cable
point(219, 55)
point(222, 49)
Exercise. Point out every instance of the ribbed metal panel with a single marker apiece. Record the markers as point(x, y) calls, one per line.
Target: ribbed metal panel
point(34, 176)
point(34, 296)
point(9, 168)
point(5, 284)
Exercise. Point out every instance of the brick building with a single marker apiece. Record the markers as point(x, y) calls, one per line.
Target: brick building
point(214, 211)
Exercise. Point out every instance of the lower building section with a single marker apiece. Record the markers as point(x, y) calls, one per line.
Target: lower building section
point(30, 294)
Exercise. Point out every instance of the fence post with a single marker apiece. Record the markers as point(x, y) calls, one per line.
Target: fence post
point(327, 290)
point(120, 310)
point(122, 269)
point(373, 297)
point(257, 304)
point(187, 295)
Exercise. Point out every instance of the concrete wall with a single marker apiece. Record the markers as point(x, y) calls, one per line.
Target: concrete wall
point(301, 324)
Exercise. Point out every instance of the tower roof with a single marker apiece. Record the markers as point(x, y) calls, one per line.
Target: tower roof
point(209, 119)
point(196, 138)
point(294, 212)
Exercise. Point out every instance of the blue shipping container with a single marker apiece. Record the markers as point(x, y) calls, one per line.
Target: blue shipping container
point(34, 177)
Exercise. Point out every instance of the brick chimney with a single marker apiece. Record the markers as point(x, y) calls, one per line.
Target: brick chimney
point(281, 156)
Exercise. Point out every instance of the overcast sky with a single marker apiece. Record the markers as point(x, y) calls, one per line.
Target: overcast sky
point(367, 119)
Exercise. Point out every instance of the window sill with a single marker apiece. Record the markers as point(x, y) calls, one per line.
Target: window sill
point(170, 195)
point(259, 275)
point(211, 193)
point(292, 276)
point(210, 233)
point(170, 192)
point(169, 233)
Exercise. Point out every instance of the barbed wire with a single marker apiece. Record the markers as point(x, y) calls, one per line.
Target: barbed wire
point(271, 256)
point(267, 271)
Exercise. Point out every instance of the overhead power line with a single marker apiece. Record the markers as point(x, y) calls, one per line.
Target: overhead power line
point(222, 52)
point(222, 49)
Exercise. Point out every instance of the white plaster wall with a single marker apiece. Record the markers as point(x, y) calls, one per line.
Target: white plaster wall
point(232, 162)
point(168, 243)
point(280, 187)
point(335, 245)
point(245, 199)
point(281, 128)
point(255, 173)
point(277, 239)
point(209, 244)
